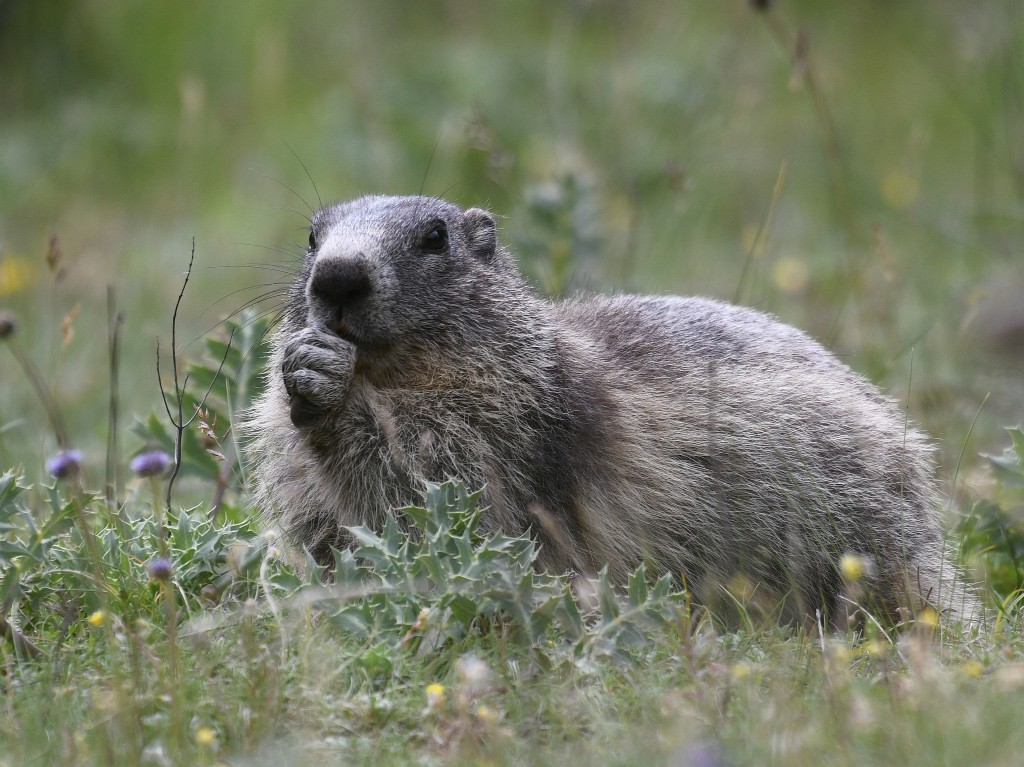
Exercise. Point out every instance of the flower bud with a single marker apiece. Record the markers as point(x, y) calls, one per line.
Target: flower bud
point(152, 463)
point(65, 465)
point(160, 569)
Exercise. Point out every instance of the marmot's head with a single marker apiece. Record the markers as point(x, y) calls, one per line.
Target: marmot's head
point(394, 273)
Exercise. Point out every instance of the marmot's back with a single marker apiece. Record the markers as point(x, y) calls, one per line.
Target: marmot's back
point(785, 444)
point(682, 334)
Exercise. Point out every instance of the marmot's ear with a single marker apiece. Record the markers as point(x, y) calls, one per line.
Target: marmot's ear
point(481, 233)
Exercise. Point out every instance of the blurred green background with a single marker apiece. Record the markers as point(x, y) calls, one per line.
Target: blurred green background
point(856, 168)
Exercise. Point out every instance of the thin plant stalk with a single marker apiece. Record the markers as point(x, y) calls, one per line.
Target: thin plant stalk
point(46, 398)
point(114, 483)
point(170, 606)
point(177, 418)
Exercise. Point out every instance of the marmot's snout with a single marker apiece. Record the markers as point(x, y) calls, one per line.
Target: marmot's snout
point(339, 290)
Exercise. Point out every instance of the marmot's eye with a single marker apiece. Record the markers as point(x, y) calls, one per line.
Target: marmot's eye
point(312, 240)
point(436, 239)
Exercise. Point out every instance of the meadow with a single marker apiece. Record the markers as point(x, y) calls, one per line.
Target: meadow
point(856, 169)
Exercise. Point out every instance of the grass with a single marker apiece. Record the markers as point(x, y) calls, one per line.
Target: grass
point(138, 635)
point(854, 168)
point(762, 698)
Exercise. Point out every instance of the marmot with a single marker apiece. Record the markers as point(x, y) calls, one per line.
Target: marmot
point(708, 440)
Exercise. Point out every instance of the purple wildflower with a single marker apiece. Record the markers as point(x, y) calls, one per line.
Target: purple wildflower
point(152, 463)
point(160, 569)
point(65, 465)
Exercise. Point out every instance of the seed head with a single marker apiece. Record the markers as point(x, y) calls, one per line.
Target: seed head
point(65, 465)
point(160, 569)
point(474, 676)
point(152, 463)
point(7, 325)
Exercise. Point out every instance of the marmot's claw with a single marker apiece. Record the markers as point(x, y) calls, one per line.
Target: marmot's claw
point(316, 370)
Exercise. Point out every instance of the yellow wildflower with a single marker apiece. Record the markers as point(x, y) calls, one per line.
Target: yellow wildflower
point(900, 189)
point(928, 618)
point(16, 274)
point(740, 671)
point(205, 736)
point(486, 714)
point(973, 669)
point(435, 695)
point(97, 619)
point(791, 275)
point(852, 567)
point(875, 649)
point(841, 654)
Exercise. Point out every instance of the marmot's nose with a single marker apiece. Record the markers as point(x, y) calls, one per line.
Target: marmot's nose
point(341, 282)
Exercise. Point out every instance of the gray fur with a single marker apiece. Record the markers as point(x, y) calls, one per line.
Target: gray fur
point(705, 439)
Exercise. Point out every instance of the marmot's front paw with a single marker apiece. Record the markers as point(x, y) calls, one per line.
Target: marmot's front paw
point(317, 369)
